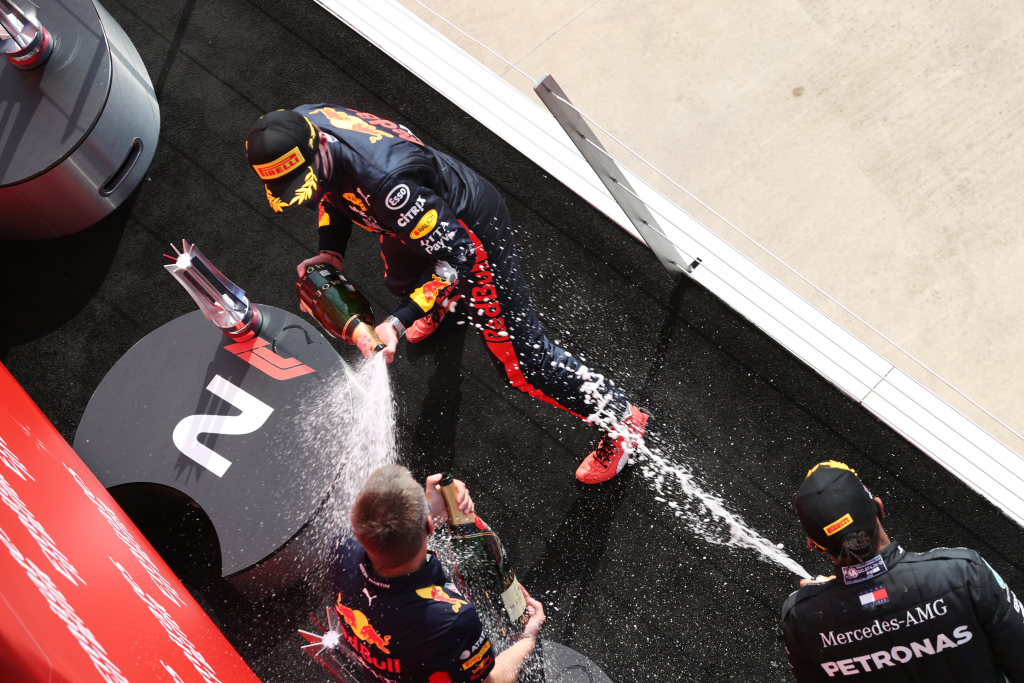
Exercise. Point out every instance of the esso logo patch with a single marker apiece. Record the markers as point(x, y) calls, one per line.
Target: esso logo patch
point(398, 196)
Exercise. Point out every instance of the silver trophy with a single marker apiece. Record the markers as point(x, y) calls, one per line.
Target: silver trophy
point(221, 301)
point(331, 651)
point(26, 43)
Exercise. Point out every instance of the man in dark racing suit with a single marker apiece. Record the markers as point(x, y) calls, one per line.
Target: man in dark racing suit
point(445, 234)
point(399, 613)
point(893, 615)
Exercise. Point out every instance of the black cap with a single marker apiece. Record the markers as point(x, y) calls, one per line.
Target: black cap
point(832, 503)
point(281, 148)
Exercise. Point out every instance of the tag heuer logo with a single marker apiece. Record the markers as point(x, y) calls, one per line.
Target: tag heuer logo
point(398, 196)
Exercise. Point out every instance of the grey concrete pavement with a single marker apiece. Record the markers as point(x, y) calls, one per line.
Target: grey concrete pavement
point(876, 148)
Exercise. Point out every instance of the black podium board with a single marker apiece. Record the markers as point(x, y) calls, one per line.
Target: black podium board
point(227, 426)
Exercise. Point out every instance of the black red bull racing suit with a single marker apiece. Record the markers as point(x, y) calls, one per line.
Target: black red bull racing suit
point(444, 229)
point(415, 628)
point(941, 616)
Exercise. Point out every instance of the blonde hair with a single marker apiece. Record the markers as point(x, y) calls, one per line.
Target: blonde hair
point(389, 516)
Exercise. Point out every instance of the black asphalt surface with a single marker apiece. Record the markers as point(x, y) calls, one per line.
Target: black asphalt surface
point(625, 581)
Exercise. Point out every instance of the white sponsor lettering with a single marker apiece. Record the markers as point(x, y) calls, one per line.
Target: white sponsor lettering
point(254, 413)
point(397, 198)
point(901, 653)
point(59, 605)
point(1010, 597)
point(375, 582)
point(175, 633)
point(912, 617)
point(856, 573)
point(414, 210)
point(9, 496)
point(122, 533)
point(368, 220)
point(8, 458)
point(438, 239)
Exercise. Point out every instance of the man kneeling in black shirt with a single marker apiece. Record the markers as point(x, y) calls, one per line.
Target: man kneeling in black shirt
point(893, 615)
point(401, 614)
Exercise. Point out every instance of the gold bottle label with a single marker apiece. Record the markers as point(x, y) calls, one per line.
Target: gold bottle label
point(515, 601)
point(456, 516)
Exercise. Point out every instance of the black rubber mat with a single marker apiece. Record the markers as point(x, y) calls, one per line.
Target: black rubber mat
point(626, 581)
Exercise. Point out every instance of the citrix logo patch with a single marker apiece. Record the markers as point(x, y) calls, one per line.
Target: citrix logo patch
point(414, 210)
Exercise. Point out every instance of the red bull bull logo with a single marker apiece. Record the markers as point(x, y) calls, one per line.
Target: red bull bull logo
point(361, 627)
point(400, 131)
point(437, 594)
point(345, 121)
point(425, 295)
point(480, 668)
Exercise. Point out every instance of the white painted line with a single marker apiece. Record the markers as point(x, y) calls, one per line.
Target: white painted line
point(850, 364)
point(1006, 464)
point(478, 91)
point(972, 465)
point(958, 444)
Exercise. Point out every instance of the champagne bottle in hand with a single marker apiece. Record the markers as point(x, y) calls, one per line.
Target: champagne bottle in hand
point(482, 568)
point(337, 305)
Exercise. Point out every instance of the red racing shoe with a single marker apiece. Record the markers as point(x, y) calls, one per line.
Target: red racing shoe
point(615, 449)
point(428, 324)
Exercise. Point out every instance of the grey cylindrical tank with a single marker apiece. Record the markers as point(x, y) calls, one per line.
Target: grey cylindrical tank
point(78, 133)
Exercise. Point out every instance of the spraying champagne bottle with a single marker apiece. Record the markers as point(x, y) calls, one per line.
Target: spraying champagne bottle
point(482, 568)
point(337, 305)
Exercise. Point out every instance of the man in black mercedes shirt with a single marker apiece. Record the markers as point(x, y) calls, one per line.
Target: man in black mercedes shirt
point(445, 234)
point(893, 615)
point(401, 615)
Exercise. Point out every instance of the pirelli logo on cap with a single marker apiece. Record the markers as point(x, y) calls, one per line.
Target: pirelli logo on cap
point(838, 525)
point(280, 166)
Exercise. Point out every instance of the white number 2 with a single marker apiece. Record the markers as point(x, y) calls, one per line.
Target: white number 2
point(254, 413)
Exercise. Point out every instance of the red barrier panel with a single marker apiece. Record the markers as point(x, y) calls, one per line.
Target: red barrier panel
point(84, 598)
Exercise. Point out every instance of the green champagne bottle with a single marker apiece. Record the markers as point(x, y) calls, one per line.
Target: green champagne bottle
point(337, 305)
point(483, 570)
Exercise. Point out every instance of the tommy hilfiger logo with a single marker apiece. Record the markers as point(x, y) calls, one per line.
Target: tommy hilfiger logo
point(875, 596)
point(254, 353)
